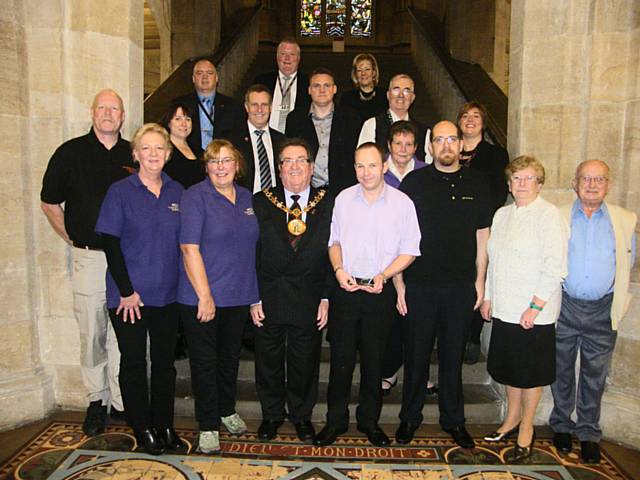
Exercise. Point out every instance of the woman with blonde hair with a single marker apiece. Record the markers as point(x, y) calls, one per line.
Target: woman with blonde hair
point(527, 263)
point(368, 99)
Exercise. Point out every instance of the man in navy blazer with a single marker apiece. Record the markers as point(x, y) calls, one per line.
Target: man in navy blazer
point(258, 176)
point(289, 86)
point(215, 115)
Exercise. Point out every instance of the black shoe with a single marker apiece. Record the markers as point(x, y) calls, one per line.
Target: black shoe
point(404, 433)
point(375, 435)
point(95, 419)
point(149, 441)
point(171, 441)
point(461, 436)
point(268, 430)
point(328, 435)
point(472, 353)
point(562, 442)
point(305, 431)
point(116, 414)
point(590, 452)
point(520, 453)
point(499, 436)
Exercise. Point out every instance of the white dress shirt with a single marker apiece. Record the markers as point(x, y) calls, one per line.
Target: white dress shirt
point(302, 201)
point(276, 105)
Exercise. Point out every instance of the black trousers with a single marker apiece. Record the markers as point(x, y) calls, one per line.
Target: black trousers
point(394, 351)
point(296, 385)
point(477, 322)
point(445, 313)
point(214, 355)
point(161, 324)
point(359, 322)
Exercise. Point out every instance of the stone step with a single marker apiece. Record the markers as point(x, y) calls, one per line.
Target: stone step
point(482, 404)
point(471, 374)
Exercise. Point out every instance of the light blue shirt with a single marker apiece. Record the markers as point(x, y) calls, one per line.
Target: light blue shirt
point(206, 129)
point(592, 254)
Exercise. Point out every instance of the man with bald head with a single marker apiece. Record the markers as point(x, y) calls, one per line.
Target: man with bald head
point(215, 114)
point(595, 299)
point(446, 283)
point(400, 95)
point(78, 176)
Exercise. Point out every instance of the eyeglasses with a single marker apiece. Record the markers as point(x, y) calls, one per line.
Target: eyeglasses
point(442, 140)
point(587, 179)
point(524, 178)
point(396, 91)
point(220, 161)
point(289, 162)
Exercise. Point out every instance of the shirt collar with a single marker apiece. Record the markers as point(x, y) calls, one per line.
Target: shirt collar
point(253, 128)
point(394, 170)
point(212, 96)
point(304, 195)
point(96, 141)
point(326, 117)
point(578, 210)
point(282, 75)
point(135, 180)
point(395, 117)
point(381, 197)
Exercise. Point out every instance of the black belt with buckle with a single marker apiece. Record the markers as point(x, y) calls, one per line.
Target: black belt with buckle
point(363, 281)
point(87, 247)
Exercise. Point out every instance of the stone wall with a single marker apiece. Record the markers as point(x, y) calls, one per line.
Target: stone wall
point(574, 94)
point(55, 57)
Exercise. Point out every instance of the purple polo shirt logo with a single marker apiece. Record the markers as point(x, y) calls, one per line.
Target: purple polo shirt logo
point(174, 207)
point(249, 211)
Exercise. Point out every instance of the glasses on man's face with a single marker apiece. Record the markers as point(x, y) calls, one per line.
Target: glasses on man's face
point(220, 161)
point(598, 179)
point(442, 140)
point(290, 162)
point(397, 91)
point(524, 178)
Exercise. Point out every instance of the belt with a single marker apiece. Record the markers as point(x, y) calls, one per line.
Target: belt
point(363, 281)
point(87, 247)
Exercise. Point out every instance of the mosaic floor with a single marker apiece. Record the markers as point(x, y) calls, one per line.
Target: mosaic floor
point(62, 452)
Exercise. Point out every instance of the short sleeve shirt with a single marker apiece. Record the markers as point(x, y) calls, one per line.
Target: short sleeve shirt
point(79, 174)
point(148, 228)
point(451, 207)
point(227, 234)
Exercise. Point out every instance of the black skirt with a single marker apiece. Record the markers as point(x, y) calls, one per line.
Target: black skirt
point(522, 358)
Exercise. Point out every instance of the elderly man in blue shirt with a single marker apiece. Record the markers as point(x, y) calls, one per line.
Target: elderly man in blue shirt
point(595, 299)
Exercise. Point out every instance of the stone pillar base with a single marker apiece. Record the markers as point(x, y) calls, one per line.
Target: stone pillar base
point(25, 397)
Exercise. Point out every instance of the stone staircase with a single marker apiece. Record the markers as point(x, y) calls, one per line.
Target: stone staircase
point(482, 403)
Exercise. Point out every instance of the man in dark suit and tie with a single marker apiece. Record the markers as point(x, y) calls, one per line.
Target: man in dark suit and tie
point(288, 85)
point(331, 130)
point(215, 114)
point(295, 282)
point(258, 142)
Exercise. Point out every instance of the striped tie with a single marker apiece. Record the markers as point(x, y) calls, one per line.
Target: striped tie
point(265, 172)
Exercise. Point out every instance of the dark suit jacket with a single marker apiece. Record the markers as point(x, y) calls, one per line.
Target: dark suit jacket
point(303, 100)
point(292, 283)
point(228, 117)
point(242, 141)
point(345, 130)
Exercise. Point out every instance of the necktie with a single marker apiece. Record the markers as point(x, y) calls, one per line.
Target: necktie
point(285, 106)
point(206, 101)
point(294, 240)
point(263, 161)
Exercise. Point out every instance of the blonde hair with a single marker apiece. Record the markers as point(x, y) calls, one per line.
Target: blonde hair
point(374, 65)
point(151, 128)
point(522, 162)
point(214, 148)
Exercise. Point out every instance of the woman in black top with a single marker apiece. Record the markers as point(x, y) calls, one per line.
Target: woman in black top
point(492, 161)
point(183, 165)
point(367, 98)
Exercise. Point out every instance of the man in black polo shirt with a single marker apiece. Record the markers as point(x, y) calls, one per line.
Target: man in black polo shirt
point(78, 175)
point(446, 283)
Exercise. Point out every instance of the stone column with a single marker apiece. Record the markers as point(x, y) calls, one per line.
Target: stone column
point(56, 56)
point(574, 94)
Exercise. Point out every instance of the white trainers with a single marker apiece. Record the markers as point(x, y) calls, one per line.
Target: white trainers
point(234, 424)
point(208, 442)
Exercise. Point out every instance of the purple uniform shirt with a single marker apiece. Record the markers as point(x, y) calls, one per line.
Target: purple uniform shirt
point(148, 228)
point(227, 235)
point(391, 179)
point(373, 235)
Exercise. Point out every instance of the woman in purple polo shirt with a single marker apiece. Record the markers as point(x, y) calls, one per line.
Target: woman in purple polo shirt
point(218, 283)
point(140, 223)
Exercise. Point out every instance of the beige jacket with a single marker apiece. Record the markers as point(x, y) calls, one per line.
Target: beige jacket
point(623, 222)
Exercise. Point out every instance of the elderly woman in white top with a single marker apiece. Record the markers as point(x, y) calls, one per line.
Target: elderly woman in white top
point(527, 263)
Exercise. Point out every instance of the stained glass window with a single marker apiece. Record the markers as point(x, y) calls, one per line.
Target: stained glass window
point(336, 17)
point(331, 17)
point(310, 18)
point(360, 18)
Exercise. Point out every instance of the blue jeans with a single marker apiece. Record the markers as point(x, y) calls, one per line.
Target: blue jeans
point(585, 326)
